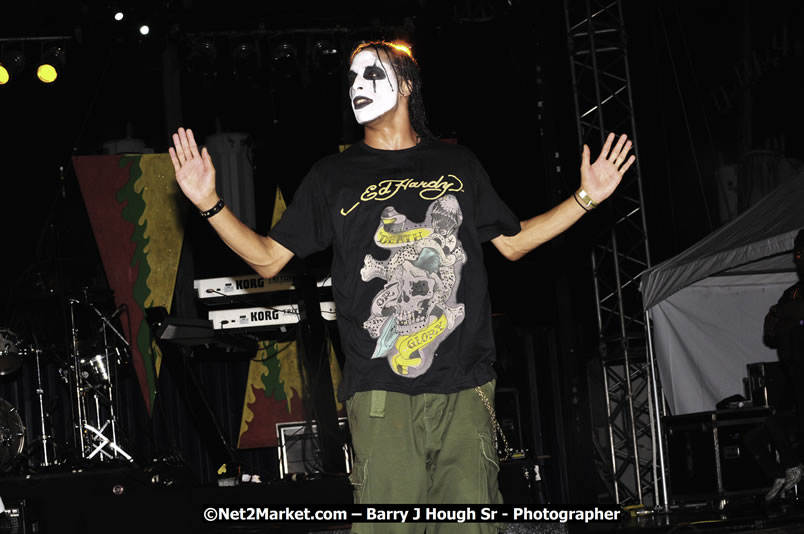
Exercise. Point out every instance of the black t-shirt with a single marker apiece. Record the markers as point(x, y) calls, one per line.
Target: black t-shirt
point(410, 287)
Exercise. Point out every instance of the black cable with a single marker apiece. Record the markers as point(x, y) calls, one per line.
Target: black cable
point(307, 436)
point(313, 386)
point(695, 83)
point(274, 355)
point(158, 402)
point(683, 526)
point(249, 303)
point(660, 95)
point(686, 118)
point(93, 101)
point(327, 350)
point(722, 193)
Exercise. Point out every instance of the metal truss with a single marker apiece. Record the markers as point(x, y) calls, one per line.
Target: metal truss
point(632, 461)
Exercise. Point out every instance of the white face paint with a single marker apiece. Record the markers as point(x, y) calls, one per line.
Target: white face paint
point(373, 87)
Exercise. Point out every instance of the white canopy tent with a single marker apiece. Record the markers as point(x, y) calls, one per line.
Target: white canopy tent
point(708, 304)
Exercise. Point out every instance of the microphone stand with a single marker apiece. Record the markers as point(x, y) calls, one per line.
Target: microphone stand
point(77, 377)
point(40, 392)
point(109, 365)
point(108, 323)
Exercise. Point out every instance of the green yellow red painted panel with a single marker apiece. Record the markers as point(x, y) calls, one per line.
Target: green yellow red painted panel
point(274, 393)
point(136, 212)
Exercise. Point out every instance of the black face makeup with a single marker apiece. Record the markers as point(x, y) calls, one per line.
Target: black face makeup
point(374, 73)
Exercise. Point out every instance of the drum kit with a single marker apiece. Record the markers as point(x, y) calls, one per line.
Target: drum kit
point(88, 368)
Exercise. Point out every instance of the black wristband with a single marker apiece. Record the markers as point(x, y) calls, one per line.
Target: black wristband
point(213, 210)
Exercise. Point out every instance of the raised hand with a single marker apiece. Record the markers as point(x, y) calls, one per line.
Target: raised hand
point(195, 173)
point(601, 178)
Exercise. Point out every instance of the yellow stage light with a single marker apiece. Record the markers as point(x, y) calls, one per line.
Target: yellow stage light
point(11, 64)
point(51, 65)
point(47, 73)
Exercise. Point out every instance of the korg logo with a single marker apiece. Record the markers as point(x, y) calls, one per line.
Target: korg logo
point(250, 283)
point(267, 315)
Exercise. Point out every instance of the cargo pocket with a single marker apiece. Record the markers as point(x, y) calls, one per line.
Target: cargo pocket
point(359, 472)
point(359, 479)
point(487, 486)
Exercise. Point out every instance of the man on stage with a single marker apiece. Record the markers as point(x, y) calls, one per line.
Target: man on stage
point(784, 331)
point(405, 216)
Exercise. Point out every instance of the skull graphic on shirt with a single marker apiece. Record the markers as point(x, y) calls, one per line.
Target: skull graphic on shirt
point(417, 308)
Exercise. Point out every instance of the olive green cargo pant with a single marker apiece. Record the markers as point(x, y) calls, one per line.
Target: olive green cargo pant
point(423, 449)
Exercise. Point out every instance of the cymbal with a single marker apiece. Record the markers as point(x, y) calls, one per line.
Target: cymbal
point(41, 286)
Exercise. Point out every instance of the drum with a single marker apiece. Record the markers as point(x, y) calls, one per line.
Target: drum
point(12, 352)
point(12, 435)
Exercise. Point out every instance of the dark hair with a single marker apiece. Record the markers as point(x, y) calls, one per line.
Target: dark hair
point(406, 69)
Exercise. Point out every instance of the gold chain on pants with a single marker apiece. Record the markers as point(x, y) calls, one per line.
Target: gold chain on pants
point(496, 426)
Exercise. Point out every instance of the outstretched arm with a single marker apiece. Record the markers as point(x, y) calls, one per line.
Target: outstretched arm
point(598, 181)
point(195, 175)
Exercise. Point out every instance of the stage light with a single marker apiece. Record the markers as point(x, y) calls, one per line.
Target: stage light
point(145, 29)
point(50, 65)
point(202, 58)
point(11, 63)
point(47, 73)
point(119, 16)
point(284, 60)
point(327, 58)
point(245, 59)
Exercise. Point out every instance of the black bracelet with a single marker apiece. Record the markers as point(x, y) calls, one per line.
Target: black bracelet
point(213, 210)
point(575, 196)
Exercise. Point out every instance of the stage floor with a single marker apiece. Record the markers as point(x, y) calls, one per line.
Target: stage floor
point(157, 499)
point(748, 514)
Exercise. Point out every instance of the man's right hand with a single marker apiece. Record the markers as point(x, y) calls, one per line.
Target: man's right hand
point(195, 173)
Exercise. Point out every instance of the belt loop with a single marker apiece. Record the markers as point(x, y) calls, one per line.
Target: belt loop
point(377, 403)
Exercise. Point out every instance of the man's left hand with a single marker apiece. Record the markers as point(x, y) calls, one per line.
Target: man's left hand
point(601, 178)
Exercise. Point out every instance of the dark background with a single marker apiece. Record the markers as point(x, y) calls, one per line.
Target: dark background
point(713, 83)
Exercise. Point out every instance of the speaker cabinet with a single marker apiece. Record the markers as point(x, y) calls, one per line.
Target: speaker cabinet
point(299, 452)
point(707, 457)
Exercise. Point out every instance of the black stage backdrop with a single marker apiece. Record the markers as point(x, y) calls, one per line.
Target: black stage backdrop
point(711, 83)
